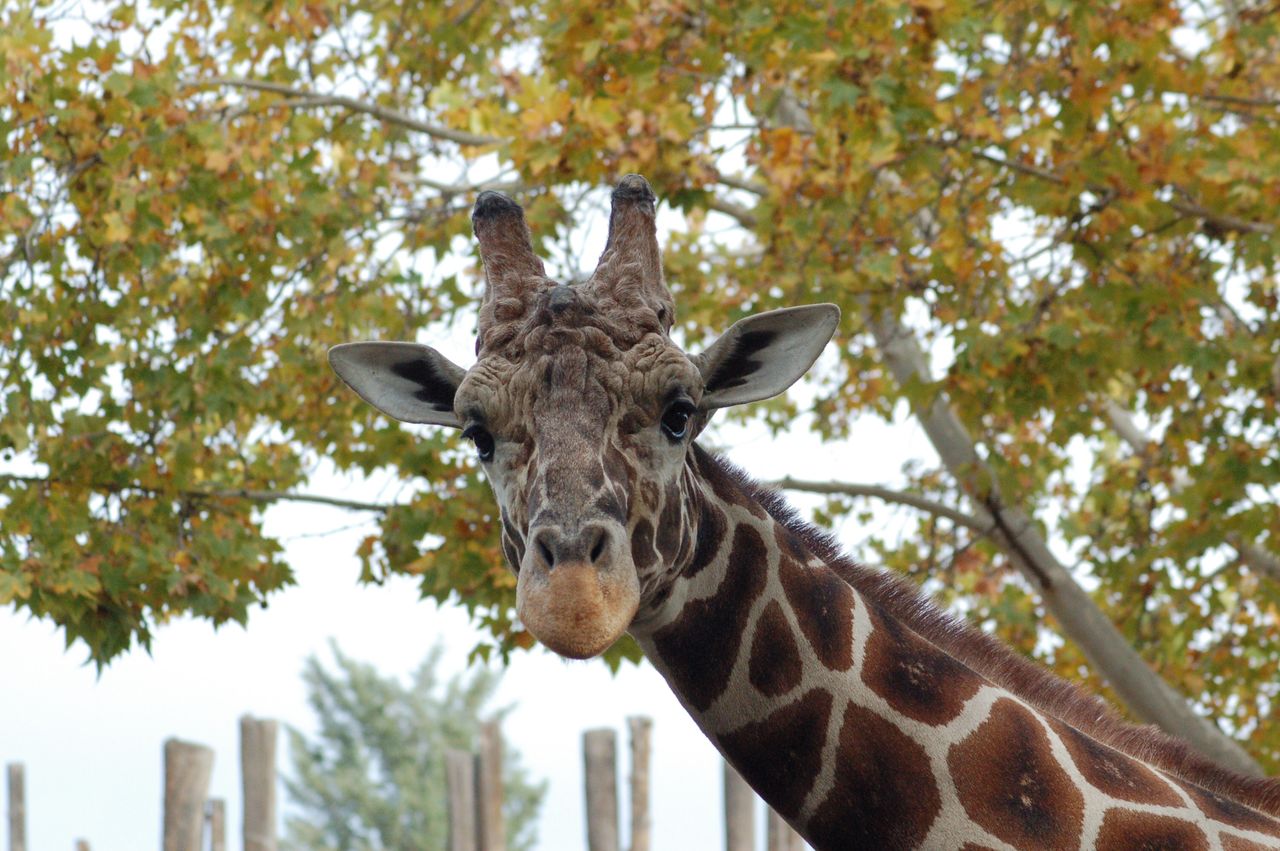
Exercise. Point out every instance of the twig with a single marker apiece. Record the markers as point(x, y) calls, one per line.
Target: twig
point(249, 494)
point(982, 524)
point(382, 113)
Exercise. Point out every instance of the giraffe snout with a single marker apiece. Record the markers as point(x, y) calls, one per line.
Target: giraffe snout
point(577, 590)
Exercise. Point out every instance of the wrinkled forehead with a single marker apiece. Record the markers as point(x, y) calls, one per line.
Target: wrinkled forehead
point(577, 356)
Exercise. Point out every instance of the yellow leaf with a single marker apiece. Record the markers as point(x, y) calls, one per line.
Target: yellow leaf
point(218, 161)
point(117, 230)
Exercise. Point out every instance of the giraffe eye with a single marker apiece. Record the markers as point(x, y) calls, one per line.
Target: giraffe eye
point(483, 441)
point(675, 422)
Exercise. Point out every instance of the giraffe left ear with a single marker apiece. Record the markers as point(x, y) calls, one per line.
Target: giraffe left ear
point(408, 381)
point(763, 355)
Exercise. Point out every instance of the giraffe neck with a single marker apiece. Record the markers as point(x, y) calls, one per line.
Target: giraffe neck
point(832, 690)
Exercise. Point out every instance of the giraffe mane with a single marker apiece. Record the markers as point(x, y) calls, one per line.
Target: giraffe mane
point(988, 657)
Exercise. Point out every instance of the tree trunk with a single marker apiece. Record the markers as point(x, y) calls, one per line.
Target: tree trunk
point(1142, 690)
point(600, 755)
point(739, 812)
point(491, 833)
point(17, 783)
point(460, 776)
point(780, 835)
point(217, 825)
point(258, 779)
point(187, 767)
point(640, 730)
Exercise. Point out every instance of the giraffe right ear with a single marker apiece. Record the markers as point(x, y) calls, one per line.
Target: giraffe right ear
point(408, 381)
point(762, 355)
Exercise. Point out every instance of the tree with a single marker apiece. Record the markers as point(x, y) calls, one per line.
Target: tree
point(1068, 206)
point(373, 777)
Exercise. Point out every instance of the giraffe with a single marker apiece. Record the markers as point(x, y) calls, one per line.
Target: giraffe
point(862, 713)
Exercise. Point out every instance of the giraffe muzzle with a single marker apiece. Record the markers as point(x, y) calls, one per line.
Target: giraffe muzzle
point(578, 592)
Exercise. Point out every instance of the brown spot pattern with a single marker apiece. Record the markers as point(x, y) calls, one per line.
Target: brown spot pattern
point(1010, 784)
point(775, 660)
point(916, 678)
point(699, 647)
point(712, 527)
point(608, 504)
point(1231, 812)
point(642, 545)
point(885, 794)
point(668, 532)
point(788, 544)
point(615, 467)
point(1114, 773)
point(1129, 830)
point(823, 604)
point(780, 755)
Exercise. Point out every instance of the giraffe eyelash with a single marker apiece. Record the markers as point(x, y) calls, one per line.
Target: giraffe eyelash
point(482, 440)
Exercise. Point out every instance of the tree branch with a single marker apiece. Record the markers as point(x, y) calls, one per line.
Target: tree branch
point(249, 494)
point(1222, 220)
point(508, 187)
point(382, 113)
point(1235, 100)
point(743, 184)
point(1187, 207)
point(744, 215)
point(980, 521)
point(1149, 696)
point(1255, 557)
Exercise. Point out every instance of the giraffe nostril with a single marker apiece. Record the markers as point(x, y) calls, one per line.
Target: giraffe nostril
point(597, 549)
point(545, 552)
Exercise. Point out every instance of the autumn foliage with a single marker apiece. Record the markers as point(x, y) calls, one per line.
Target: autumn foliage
point(1071, 205)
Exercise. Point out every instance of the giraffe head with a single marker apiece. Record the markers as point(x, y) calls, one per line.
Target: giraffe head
point(583, 411)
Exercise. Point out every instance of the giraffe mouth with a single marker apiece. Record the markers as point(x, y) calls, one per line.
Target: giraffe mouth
point(576, 608)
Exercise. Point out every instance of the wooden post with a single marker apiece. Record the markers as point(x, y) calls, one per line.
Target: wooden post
point(780, 835)
point(739, 812)
point(17, 807)
point(600, 755)
point(258, 781)
point(640, 729)
point(217, 824)
point(459, 774)
point(187, 767)
point(491, 833)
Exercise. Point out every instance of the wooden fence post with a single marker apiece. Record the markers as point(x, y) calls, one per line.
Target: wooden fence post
point(600, 756)
point(187, 767)
point(17, 807)
point(780, 835)
point(258, 782)
point(459, 774)
point(739, 812)
point(217, 824)
point(491, 833)
point(640, 730)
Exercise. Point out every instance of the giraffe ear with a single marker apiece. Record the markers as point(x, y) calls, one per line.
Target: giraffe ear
point(763, 355)
point(408, 381)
